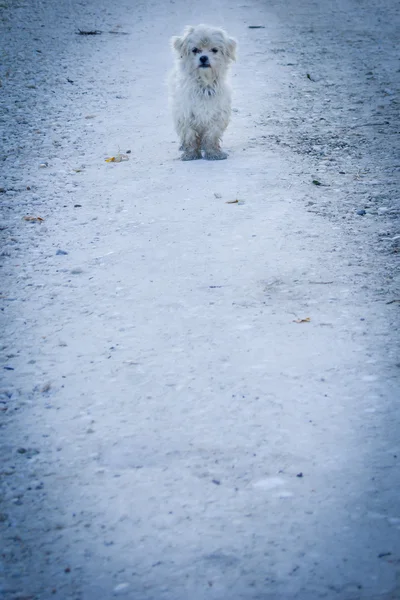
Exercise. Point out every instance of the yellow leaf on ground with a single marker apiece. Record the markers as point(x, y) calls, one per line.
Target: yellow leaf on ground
point(117, 158)
point(30, 218)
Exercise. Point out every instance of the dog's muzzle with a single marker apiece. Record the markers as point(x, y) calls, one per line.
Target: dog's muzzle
point(204, 64)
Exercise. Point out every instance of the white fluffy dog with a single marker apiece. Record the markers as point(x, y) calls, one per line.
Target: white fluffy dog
point(200, 94)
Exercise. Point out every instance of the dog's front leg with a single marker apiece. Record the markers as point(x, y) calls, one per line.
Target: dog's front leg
point(190, 144)
point(212, 148)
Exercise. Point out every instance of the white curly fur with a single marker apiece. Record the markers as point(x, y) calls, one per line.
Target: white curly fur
point(199, 92)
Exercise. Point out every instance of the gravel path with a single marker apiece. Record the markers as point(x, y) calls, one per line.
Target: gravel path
point(199, 398)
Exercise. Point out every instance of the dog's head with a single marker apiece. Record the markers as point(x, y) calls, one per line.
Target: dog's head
point(205, 51)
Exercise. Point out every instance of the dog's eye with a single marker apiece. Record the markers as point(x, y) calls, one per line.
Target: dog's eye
point(195, 50)
point(215, 50)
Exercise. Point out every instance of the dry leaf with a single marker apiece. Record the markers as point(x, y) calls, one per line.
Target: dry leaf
point(29, 218)
point(117, 158)
point(306, 320)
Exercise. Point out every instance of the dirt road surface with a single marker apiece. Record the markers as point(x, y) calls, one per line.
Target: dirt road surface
point(199, 398)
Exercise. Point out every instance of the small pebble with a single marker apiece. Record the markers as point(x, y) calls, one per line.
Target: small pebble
point(29, 452)
point(361, 212)
point(61, 252)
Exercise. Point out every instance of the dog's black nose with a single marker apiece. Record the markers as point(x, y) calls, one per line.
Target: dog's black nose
point(203, 59)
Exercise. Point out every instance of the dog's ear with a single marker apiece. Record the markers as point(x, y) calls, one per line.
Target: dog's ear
point(176, 43)
point(231, 48)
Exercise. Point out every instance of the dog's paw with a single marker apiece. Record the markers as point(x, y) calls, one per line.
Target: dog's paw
point(215, 155)
point(191, 155)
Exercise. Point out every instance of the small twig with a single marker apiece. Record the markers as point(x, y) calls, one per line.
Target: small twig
point(393, 301)
point(90, 32)
point(320, 282)
point(358, 175)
